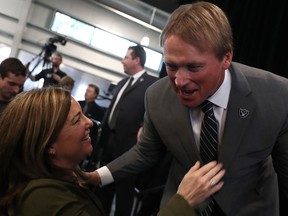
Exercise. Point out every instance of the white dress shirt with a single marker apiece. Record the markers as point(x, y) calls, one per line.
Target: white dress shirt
point(220, 100)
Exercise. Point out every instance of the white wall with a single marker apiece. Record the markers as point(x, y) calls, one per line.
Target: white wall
point(76, 55)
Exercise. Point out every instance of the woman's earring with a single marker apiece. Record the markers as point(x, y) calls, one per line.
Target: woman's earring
point(52, 152)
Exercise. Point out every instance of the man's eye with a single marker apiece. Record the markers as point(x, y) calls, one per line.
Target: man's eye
point(171, 67)
point(193, 68)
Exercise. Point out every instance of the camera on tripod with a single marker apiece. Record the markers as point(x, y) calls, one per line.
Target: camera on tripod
point(47, 50)
point(57, 39)
point(50, 47)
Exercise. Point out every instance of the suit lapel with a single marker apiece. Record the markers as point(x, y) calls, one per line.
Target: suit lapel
point(185, 141)
point(138, 82)
point(239, 115)
point(119, 87)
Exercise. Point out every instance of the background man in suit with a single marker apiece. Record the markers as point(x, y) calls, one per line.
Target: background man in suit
point(96, 113)
point(121, 123)
point(12, 78)
point(89, 106)
point(250, 109)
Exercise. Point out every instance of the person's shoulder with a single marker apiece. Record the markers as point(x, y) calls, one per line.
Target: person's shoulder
point(51, 196)
point(148, 79)
point(254, 72)
point(38, 190)
point(161, 83)
point(177, 206)
point(246, 68)
point(46, 183)
point(49, 189)
point(149, 76)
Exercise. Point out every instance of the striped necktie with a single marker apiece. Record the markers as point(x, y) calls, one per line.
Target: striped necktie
point(208, 143)
point(209, 133)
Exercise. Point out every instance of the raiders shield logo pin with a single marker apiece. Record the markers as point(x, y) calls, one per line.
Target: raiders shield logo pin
point(243, 113)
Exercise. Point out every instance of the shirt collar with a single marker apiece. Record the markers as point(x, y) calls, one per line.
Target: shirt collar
point(221, 96)
point(137, 75)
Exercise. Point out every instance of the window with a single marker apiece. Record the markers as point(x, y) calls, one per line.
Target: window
point(100, 39)
point(4, 52)
point(73, 28)
point(110, 43)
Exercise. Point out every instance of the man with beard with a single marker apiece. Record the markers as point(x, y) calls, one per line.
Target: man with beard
point(52, 75)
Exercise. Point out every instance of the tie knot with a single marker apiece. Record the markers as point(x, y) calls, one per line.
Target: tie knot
point(206, 107)
point(130, 80)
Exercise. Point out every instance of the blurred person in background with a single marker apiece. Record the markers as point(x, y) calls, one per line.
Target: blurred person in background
point(51, 75)
point(89, 106)
point(67, 82)
point(122, 121)
point(12, 77)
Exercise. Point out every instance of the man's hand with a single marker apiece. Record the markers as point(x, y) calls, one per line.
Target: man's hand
point(92, 178)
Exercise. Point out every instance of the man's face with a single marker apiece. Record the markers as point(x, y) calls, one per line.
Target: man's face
point(10, 86)
point(90, 94)
point(195, 75)
point(56, 60)
point(129, 63)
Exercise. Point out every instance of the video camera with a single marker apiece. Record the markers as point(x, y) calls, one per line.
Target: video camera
point(57, 39)
point(50, 47)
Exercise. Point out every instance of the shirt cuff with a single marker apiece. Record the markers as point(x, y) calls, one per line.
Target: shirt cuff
point(105, 176)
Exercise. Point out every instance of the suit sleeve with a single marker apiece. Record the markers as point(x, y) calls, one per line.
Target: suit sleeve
point(280, 160)
point(177, 206)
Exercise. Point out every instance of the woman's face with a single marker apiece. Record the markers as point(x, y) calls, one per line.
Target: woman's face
point(73, 143)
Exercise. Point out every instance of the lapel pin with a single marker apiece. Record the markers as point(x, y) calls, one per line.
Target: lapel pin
point(243, 113)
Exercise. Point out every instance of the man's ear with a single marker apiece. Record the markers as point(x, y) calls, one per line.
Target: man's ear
point(228, 59)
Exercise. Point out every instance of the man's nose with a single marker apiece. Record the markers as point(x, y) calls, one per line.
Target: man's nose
point(181, 77)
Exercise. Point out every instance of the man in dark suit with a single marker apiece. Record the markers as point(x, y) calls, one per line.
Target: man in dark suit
point(121, 123)
point(96, 113)
point(250, 109)
point(89, 106)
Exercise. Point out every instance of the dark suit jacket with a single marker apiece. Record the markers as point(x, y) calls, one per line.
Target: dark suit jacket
point(94, 111)
point(129, 120)
point(254, 148)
